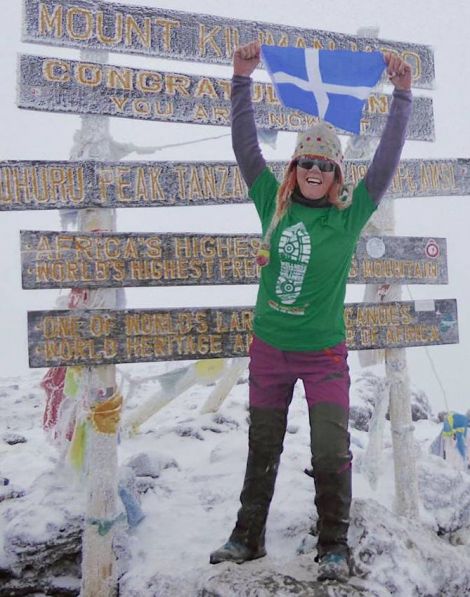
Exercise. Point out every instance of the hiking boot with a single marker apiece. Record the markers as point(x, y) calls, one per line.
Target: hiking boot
point(333, 566)
point(265, 438)
point(232, 551)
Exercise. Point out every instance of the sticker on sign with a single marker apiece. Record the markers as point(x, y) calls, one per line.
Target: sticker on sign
point(425, 305)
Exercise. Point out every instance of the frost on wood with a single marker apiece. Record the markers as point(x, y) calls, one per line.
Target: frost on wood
point(373, 457)
point(106, 259)
point(48, 84)
point(154, 31)
point(39, 184)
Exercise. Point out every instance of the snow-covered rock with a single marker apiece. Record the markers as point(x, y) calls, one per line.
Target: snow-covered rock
point(420, 406)
point(42, 540)
point(367, 386)
point(445, 498)
point(405, 557)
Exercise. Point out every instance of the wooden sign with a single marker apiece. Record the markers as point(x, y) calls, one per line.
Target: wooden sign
point(80, 260)
point(61, 85)
point(75, 185)
point(99, 337)
point(153, 31)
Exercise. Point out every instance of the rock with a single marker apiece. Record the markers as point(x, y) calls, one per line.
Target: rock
point(188, 431)
point(62, 544)
point(225, 421)
point(367, 387)
point(212, 428)
point(445, 495)
point(264, 583)
point(10, 492)
point(360, 415)
point(55, 587)
point(50, 567)
point(150, 465)
point(161, 585)
point(145, 466)
point(42, 539)
point(232, 580)
point(383, 543)
point(143, 484)
point(13, 438)
point(420, 407)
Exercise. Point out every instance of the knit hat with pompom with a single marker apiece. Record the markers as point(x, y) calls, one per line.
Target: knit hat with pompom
point(321, 141)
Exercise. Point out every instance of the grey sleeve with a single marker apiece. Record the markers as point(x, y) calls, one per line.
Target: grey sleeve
point(387, 155)
point(244, 137)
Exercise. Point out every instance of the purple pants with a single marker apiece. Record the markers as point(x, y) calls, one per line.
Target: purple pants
point(273, 373)
point(325, 375)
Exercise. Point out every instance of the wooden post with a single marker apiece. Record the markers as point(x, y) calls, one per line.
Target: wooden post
point(406, 484)
point(99, 573)
point(222, 389)
point(383, 222)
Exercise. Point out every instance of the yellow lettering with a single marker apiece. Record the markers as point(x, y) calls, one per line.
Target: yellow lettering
point(377, 104)
point(119, 102)
point(200, 113)
point(177, 83)
point(208, 39)
point(149, 82)
point(50, 24)
point(79, 23)
point(143, 34)
point(118, 29)
point(88, 74)
point(119, 78)
point(205, 87)
point(167, 25)
point(56, 71)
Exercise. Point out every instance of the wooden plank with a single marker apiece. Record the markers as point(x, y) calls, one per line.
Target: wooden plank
point(57, 338)
point(153, 31)
point(61, 85)
point(78, 260)
point(28, 185)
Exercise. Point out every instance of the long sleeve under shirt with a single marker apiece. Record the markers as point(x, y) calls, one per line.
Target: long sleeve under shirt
point(300, 303)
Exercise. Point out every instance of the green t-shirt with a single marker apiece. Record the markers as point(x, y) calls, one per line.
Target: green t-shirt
point(300, 301)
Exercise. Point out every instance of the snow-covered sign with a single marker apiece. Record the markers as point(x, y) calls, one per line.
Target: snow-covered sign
point(79, 260)
point(65, 185)
point(104, 336)
point(78, 87)
point(153, 31)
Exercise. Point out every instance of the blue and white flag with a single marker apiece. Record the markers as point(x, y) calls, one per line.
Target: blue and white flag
point(331, 84)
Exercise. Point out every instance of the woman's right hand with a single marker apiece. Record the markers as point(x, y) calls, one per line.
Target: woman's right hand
point(246, 58)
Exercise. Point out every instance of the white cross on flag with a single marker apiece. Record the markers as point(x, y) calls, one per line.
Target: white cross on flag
point(331, 84)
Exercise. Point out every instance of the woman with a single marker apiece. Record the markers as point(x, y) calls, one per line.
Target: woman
point(311, 224)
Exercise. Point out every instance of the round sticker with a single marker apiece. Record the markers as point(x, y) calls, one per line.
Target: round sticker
point(375, 247)
point(432, 249)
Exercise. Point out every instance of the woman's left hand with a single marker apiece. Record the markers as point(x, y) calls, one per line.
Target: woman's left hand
point(399, 71)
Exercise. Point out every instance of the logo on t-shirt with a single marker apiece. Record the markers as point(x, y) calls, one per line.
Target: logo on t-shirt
point(294, 253)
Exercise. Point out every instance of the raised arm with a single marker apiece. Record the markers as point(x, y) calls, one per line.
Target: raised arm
point(387, 155)
point(244, 137)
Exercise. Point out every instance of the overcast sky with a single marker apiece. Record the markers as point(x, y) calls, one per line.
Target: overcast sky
point(42, 136)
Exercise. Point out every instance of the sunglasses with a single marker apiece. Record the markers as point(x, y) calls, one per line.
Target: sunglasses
point(322, 165)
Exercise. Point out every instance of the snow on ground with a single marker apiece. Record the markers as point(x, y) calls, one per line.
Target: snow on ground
point(190, 469)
